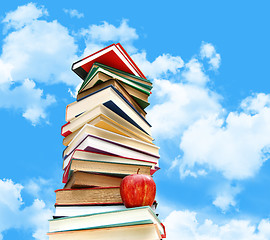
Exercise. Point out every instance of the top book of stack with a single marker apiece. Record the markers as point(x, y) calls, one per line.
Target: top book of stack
point(114, 56)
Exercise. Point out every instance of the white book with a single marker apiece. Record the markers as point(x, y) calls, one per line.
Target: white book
point(97, 220)
point(103, 133)
point(84, 155)
point(130, 231)
point(68, 211)
point(116, 121)
point(111, 98)
point(102, 145)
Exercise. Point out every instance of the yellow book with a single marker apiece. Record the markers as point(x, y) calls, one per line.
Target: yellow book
point(103, 117)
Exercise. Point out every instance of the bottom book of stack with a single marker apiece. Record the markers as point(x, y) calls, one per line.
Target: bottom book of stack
point(133, 223)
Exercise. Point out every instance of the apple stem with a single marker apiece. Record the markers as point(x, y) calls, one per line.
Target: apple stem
point(138, 170)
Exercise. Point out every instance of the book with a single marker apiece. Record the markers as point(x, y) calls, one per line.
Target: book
point(110, 168)
point(113, 55)
point(140, 97)
point(111, 98)
point(102, 117)
point(106, 73)
point(81, 196)
point(85, 155)
point(100, 132)
point(89, 116)
point(117, 85)
point(95, 156)
point(143, 230)
point(139, 91)
point(101, 145)
point(120, 73)
point(111, 218)
point(80, 179)
point(74, 210)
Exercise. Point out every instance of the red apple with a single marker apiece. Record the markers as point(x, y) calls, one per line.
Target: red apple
point(138, 190)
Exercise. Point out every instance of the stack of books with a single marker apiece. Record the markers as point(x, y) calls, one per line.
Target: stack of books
point(107, 137)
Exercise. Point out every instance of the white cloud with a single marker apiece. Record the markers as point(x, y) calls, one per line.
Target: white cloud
point(39, 188)
point(256, 103)
point(236, 146)
point(194, 73)
point(98, 36)
point(38, 50)
point(161, 65)
point(185, 225)
point(35, 52)
point(12, 193)
point(36, 218)
point(5, 69)
point(28, 99)
point(208, 51)
point(108, 32)
point(23, 15)
point(73, 13)
point(179, 105)
point(226, 197)
point(73, 93)
point(14, 215)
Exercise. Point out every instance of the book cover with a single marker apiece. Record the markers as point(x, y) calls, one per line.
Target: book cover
point(113, 55)
point(112, 99)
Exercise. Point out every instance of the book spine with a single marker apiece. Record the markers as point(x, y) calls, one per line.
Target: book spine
point(164, 230)
point(65, 133)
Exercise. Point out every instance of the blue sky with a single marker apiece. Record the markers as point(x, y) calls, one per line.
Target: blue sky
point(210, 108)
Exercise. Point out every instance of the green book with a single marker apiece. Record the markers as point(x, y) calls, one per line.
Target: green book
point(130, 216)
point(138, 83)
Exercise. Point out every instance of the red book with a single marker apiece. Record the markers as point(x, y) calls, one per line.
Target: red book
point(114, 56)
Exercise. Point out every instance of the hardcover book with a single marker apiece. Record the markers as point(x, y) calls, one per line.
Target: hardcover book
point(118, 86)
point(143, 230)
point(75, 210)
point(113, 55)
point(107, 219)
point(111, 136)
point(111, 98)
point(111, 168)
point(81, 196)
point(101, 145)
point(139, 91)
point(107, 73)
point(94, 156)
point(102, 117)
point(79, 179)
